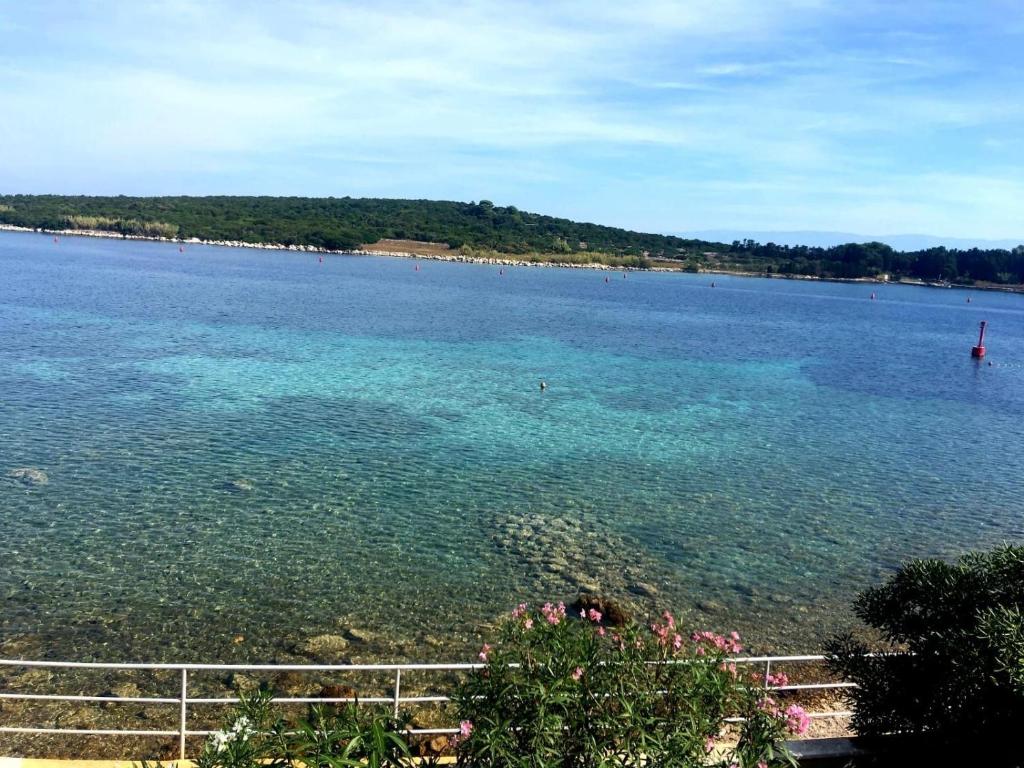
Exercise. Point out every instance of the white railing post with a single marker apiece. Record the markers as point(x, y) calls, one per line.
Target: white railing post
point(767, 672)
point(184, 713)
point(398, 687)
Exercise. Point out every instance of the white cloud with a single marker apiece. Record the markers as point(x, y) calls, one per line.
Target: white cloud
point(806, 108)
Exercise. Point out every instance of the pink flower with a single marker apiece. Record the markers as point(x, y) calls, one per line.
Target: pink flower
point(709, 744)
point(762, 764)
point(528, 623)
point(669, 620)
point(594, 615)
point(519, 611)
point(484, 651)
point(601, 631)
point(552, 614)
point(465, 728)
point(779, 678)
point(797, 721)
point(577, 673)
point(677, 641)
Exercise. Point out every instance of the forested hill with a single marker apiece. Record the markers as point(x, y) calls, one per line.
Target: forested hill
point(343, 223)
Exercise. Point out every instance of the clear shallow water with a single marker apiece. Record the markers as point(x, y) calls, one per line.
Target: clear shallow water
point(241, 442)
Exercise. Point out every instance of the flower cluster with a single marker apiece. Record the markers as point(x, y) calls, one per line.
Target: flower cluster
point(730, 644)
point(484, 651)
point(465, 730)
point(553, 613)
point(776, 679)
point(239, 731)
point(593, 614)
point(665, 632)
point(519, 612)
point(797, 720)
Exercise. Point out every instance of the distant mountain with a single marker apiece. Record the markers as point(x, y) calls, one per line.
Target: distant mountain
point(821, 239)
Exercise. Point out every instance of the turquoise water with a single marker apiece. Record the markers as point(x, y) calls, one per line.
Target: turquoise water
point(250, 443)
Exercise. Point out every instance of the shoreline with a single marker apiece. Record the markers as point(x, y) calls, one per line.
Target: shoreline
point(509, 262)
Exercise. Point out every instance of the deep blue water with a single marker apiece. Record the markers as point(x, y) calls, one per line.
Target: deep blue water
point(245, 442)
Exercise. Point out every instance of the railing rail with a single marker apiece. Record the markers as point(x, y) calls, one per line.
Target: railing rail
point(396, 700)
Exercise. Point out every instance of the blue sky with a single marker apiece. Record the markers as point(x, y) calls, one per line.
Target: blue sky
point(745, 115)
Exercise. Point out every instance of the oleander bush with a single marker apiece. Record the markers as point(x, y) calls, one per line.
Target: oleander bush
point(953, 667)
point(560, 691)
point(329, 737)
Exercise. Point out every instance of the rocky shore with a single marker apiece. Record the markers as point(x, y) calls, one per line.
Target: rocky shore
point(508, 262)
point(452, 257)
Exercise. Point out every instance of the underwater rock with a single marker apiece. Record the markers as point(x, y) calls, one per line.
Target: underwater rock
point(361, 635)
point(709, 606)
point(612, 613)
point(324, 648)
point(240, 485)
point(243, 683)
point(643, 589)
point(29, 475)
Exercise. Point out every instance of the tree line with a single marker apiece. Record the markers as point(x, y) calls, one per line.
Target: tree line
point(346, 223)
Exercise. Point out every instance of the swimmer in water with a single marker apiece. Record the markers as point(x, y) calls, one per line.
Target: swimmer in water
point(543, 386)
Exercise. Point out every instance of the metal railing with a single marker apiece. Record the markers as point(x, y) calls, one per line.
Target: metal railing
point(396, 700)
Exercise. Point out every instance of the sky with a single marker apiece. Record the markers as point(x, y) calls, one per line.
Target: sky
point(879, 116)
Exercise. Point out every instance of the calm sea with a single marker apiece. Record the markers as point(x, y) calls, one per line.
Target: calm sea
point(253, 444)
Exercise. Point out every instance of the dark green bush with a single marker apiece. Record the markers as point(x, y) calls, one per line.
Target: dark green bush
point(954, 665)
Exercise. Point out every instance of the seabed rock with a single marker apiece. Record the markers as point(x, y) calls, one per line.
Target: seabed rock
point(325, 648)
point(29, 475)
point(361, 635)
point(611, 612)
point(709, 606)
point(643, 589)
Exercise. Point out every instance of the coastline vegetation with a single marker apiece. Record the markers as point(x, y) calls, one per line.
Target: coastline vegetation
point(346, 223)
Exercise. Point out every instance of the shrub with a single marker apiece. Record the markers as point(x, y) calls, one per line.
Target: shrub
point(954, 665)
point(328, 738)
point(557, 691)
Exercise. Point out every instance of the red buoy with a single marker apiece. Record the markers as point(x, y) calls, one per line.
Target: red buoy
point(979, 351)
